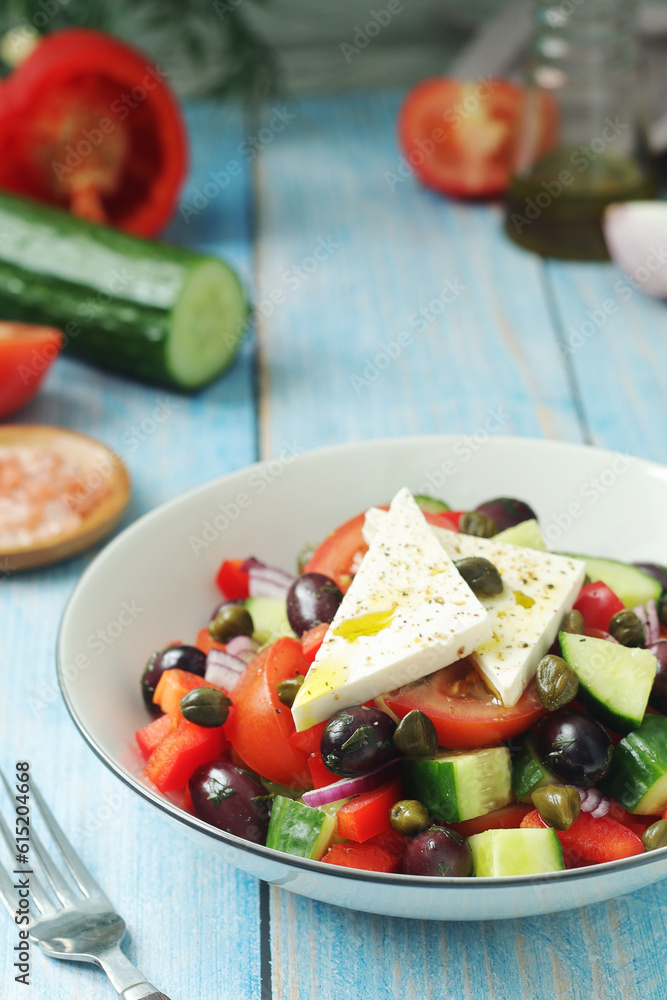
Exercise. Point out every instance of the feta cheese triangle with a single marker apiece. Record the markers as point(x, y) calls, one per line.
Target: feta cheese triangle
point(408, 613)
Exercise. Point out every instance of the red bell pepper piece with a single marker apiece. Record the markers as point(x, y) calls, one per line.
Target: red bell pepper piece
point(171, 765)
point(598, 605)
point(505, 818)
point(233, 581)
point(447, 519)
point(312, 640)
point(150, 736)
point(320, 774)
point(368, 814)
point(381, 853)
point(590, 840)
point(173, 685)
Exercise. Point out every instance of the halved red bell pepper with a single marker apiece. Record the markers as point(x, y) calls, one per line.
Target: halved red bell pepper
point(590, 840)
point(312, 640)
point(368, 814)
point(173, 685)
point(381, 853)
point(232, 580)
point(88, 123)
point(150, 736)
point(172, 763)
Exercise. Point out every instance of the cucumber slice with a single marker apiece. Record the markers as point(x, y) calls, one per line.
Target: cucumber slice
point(269, 617)
point(528, 772)
point(638, 774)
point(159, 313)
point(458, 785)
point(527, 534)
point(631, 585)
point(614, 681)
point(516, 852)
point(298, 829)
point(430, 505)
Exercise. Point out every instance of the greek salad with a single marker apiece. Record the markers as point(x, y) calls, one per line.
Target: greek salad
point(433, 694)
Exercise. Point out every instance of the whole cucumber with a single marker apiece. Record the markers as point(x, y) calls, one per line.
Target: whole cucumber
point(158, 313)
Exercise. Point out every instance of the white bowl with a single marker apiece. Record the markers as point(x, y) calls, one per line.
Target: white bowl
point(155, 583)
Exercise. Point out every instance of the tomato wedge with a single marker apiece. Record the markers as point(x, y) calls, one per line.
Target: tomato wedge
point(458, 135)
point(259, 725)
point(26, 354)
point(463, 710)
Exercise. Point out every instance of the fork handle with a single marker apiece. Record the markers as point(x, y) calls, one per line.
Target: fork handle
point(125, 977)
point(132, 993)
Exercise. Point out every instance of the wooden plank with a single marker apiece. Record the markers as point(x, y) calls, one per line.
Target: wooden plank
point(193, 921)
point(348, 352)
point(495, 347)
point(615, 340)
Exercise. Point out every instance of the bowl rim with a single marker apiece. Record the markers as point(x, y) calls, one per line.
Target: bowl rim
point(173, 811)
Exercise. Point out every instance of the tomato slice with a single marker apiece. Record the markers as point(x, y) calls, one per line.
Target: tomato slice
point(458, 135)
point(463, 710)
point(338, 553)
point(259, 725)
point(88, 123)
point(26, 353)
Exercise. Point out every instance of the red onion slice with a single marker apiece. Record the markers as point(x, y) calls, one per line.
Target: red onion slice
point(267, 581)
point(634, 232)
point(347, 787)
point(243, 646)
point(223, 669)
point(653, 624)
point(594, 802)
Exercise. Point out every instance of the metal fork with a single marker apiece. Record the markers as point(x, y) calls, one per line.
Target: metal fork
point(76, 921)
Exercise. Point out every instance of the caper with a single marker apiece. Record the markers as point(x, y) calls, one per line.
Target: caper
point(557, 684)
point(655, 835)
point(230, 621)
point(481, 575)
point(627, 629)
point(474, 523)
point(205, 706)
point(662, 609)
point(573, 622)
point(409, 817)
point(558, 805)
point(415, 735)
point(288, 690)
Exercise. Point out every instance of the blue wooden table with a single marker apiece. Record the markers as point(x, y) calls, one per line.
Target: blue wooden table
point(382, 309)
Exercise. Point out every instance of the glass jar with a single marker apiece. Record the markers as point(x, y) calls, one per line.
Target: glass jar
point(582, 137)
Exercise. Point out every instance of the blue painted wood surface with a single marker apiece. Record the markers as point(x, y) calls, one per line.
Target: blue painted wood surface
point(342, 265)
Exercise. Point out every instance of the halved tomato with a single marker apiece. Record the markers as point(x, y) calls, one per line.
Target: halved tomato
point(458, 135)
point(26, 354)
point(464, 711)
point(337, 554)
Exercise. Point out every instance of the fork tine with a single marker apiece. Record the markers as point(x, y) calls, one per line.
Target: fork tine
point(79, 872)
point(37, 894)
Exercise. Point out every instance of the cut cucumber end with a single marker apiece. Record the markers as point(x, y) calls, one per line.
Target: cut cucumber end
point(515, 852)
point(638, 774)
point(460, 784)
point(207, 325)
point(614, 681)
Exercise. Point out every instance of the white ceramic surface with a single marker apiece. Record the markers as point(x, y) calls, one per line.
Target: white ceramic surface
point(154, 583)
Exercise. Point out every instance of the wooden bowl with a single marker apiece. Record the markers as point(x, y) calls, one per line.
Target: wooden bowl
point(86, 454)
